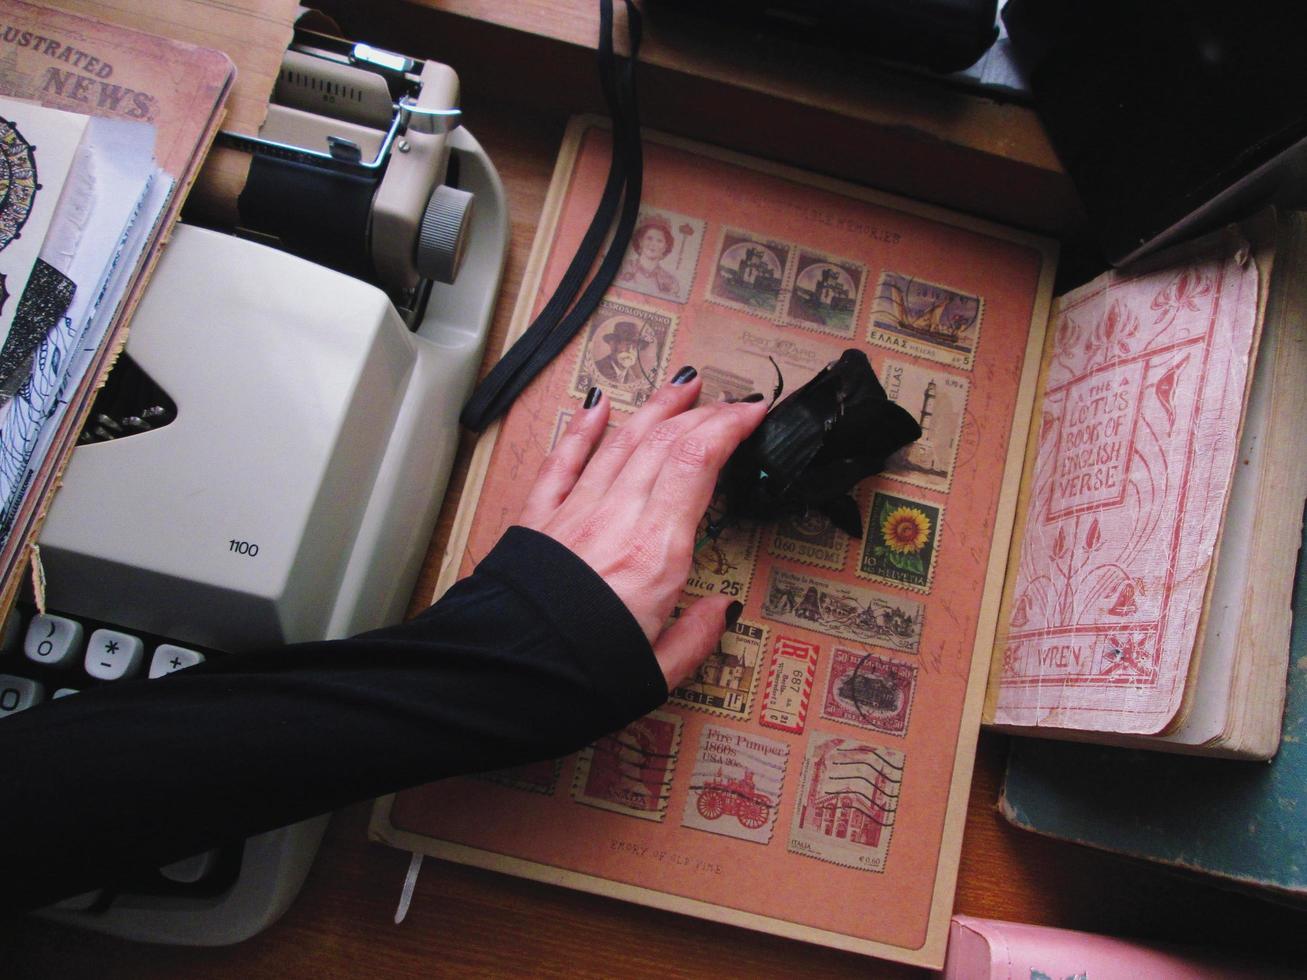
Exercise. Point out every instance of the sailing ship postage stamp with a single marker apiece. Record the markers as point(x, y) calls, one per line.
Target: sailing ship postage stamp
point(925, 319)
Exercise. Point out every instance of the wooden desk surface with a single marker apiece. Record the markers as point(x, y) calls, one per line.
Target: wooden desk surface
point(465, 921)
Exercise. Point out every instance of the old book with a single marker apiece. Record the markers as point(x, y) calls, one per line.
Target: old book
point(811, 781)
point(1242, 823)
point(1147, 596)
point(989, 949)
point(78, 64)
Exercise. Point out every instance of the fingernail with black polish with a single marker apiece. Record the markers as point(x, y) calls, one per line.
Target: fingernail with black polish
point(592, 397)
point(757, 396)
point(733, 614)
point(685, 375)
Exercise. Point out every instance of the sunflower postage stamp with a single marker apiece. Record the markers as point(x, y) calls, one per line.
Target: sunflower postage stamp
point(902, 541)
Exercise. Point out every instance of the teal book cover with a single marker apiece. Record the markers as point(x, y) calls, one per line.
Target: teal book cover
point(1245, 822)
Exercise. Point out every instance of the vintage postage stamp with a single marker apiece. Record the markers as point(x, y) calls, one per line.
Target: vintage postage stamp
point(735, 788)
point(749, 271)
point(736, 357)
point(534, 777)
point(624, 352)
point(810, 538)
point(923, 318)
point(938, 401)
point(844, 611)
point(631, 771)
point(789, 685)
point(723, 565)
point(725, 682)
point(848, 798)
point(870, 691)
point(902, 541)
point(663, 253)
point(825, 294)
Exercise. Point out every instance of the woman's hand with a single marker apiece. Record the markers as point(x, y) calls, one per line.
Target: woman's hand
point(630, 508)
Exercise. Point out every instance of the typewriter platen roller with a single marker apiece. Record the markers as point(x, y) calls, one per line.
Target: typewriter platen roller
point(352, 167)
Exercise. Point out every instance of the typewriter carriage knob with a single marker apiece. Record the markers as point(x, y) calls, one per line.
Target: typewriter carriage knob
point(442, 236)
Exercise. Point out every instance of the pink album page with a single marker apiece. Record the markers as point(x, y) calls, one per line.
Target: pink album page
point(812, 779)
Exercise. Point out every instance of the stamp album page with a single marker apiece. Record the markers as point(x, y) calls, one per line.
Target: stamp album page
point(811, 780)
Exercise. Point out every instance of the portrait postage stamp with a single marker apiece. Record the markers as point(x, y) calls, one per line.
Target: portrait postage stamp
point(902, 541)
point(624, 352)
point(926, 319)
point(662, 256)
point(735, 787)
point(534, 777)
point(631, 771)
point(723, 565)
point(748, 272)
point(870, 691)
point(724, 683)
point(843, 611)
point(937, 399)
point(789, 685)
point(848, 799)
point(825, 294)
point(810, 538)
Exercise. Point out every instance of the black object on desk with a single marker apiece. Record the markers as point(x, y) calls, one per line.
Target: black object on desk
point(1171, 116)
point(941, 35)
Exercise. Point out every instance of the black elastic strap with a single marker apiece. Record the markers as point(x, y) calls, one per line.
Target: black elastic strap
point(554, 327)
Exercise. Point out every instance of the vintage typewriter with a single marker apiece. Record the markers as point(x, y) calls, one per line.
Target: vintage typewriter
point(268, 457)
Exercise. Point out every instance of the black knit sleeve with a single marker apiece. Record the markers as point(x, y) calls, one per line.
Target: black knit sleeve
point(531, 657)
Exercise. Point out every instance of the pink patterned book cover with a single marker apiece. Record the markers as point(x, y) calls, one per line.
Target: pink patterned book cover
point(1134, 451)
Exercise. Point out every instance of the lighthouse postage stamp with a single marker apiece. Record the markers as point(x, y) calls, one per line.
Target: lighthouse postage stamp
point(937, 399)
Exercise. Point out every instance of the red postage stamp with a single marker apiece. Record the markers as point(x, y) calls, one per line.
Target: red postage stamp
point(735, 789)
point(631, 771)
point(789, 684)
point(848, 801)
point(869, 691)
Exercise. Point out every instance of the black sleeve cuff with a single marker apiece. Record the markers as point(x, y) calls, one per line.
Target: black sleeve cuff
point(581, 607)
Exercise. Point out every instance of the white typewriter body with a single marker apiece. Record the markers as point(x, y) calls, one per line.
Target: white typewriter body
point(294, 495)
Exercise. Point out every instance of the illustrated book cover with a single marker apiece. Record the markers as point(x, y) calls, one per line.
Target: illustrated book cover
point(1149, 583)
point(78, 64)
point(811, 781)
